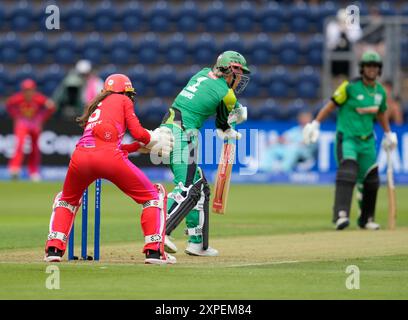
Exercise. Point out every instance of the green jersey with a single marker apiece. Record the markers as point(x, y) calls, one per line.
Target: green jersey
point(205, 95)
point(359, 105)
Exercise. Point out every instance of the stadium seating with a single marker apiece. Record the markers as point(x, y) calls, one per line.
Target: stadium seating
point(160, 17)
point(233, 42)
point(215, 17)
point(176, 50)
point(64, 49)
point(243, 18)
point(131, 17)
point(261, 49)
point(148, 49)
point(9, 48)
point(313, 50)
point(299, 17)
point(307, 83)
point(272, 17)
point(187, 17)
point(36, 49)
point(120, 49)
point(104, 17)
point(153, 111)
point(25, 72)
point(21, 16)
point(204, 49)
point(163, 82)
point(138, 75)
point(74, 17)
point(278, 83)
point(289, 50)
point(93, 48)
point(51, 78)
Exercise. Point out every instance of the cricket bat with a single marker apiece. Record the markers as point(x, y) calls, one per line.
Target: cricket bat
point(223, 178)
point(392, 208)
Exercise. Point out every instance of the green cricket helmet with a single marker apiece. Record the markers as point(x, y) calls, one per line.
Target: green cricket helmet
point(370, 57)
point(233, 62)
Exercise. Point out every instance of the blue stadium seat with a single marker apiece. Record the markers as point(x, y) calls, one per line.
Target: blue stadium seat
point(184, 76)
point(131, 17)
point(187, 17)
point(267, 111)
point(278, 82)
point(64, 50)
point(403, 52)
point(326, 9)
point(233, 42)
point(74, 17)
point(293, 109)
point(104, 17)
point(163, 82)
point(153, 111)
point(308, 83)
point(24, 72)
point(108, 70)
point(4, 80)
point(313, 50)
point(261, 49)
point(386, 8)
point(299, 17)
point(21, 17)
point(139, 77)
point(2, 17)
point(272, 17)
point(215, 17)
point(148, 49)
point(51, 78)
point(36, 49)
point(92, 48)
point(176, 50)
point(243, 18)
point(9, 48)
point(205, 50)
point(404, 10)
point(289, 50)
point(120, 49)
point(254, 86)
point(160, 17)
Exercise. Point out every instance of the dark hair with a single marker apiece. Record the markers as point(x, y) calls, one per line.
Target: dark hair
point(91, 107)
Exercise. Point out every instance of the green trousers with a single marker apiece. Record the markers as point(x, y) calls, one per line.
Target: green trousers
point(183, 164)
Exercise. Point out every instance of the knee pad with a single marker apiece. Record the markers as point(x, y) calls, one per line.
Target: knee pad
point(347, 172)
point(372, 179)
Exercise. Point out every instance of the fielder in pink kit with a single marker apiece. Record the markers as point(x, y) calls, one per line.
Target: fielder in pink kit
point(29, 110)
point(100, 154)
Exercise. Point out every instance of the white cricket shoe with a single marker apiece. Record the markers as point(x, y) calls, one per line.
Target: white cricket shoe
point(371, 225)
point(196, 249)
point(342, 223)
point(169, 246)
point(168, 259)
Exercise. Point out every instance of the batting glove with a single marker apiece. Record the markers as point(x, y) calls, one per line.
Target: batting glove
point(161, 141)
point(229, 134)
point(238, 115)
point(311, 132)
point(390, 141)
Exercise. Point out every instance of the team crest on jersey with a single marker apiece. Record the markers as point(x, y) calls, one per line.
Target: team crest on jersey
point(360, 97)
point(378, 99)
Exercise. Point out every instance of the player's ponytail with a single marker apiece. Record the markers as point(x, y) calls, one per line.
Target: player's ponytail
point(91, 107)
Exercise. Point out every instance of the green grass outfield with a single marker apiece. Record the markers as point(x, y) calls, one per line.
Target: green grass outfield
point(275, 242)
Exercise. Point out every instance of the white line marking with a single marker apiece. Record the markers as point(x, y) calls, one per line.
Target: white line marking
point(263, 263)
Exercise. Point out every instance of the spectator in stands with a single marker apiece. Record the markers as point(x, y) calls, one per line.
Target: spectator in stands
point(339, 38)
point(29, 110)
point(77, 89)
point(394, 111)
point(289, 151)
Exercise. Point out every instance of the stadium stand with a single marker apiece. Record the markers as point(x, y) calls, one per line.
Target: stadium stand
point(160, 44)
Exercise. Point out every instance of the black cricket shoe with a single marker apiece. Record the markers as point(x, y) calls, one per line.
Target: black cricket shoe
point(154, 257)
point(53, 255)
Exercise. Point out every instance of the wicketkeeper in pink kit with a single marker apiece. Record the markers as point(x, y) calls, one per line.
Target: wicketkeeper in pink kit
point(29, 110)
point(100, 154)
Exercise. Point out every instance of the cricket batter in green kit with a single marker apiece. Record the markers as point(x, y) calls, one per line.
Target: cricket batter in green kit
point(209, 92)
point(359, 103)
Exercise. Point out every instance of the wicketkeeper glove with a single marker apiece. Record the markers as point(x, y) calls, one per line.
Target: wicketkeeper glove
point(228, 134)
point(311, 132)
point(238, 115)
point(161, 141)
point(390, 141)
